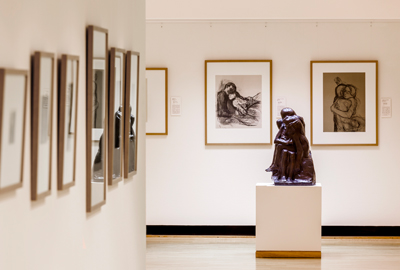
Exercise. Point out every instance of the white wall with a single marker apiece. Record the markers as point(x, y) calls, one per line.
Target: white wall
point(271, 9)
point(57, 233)
point(189, 183)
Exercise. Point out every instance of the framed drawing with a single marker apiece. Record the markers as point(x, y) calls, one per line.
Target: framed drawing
point(96, 117)
point(116, 118)
point(13, 92)
point(41, 125)
point(67, 120)
point(157, 101)
point(344, 103)
point(238, 107)
point(131, 113)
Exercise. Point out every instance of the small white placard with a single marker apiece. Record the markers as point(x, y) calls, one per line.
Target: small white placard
point(176, 105)
point(280, 104)
point(386, 107)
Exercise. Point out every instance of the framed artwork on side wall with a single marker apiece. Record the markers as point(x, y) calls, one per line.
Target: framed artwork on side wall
point(96, 116)
point(116, 115)
point(157, 101)
point(344, 103)
point(41, 125)
point(67, 124)
point(238, 102)
point(13, 95)
point(131, 113)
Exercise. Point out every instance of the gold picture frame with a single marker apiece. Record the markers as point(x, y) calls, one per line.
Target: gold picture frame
point(96, 116)
point(157, 85)
point(13, 98)
point(131, 113)
point(242, 114)
point(42, 118)
point(344, 103)
point(118, 61)
point(67, 114)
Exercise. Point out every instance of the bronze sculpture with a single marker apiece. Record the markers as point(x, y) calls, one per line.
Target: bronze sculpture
point(292, 163)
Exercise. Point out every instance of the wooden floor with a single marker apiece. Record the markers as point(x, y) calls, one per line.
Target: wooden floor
point(191, 253)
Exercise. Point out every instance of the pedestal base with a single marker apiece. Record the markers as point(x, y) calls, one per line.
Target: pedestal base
point(288, 221)
point(288, 254)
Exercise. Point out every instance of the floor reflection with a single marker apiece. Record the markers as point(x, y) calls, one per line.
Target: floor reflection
point(192, 253)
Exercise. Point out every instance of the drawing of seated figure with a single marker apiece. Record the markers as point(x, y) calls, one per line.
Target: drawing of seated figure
point(232, 107)
point(292, 162)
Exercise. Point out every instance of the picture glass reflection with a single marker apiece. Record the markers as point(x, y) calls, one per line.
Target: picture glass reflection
point(118, 122)
point(132, 114)
point(98, 117)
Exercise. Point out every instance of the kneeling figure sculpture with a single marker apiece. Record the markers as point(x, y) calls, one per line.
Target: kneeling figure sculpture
point(292, 163)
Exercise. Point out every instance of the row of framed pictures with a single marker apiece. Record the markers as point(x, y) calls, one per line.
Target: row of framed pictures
point(111, 119)
point(13, 99)
point(238, 107)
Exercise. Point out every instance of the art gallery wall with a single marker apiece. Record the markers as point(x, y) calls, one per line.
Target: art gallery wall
point(189, 183)
point(56, 232)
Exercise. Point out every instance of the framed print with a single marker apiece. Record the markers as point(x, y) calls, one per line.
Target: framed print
point(13, 95)
point(131, 113)
point(344, 103)
point(96, 117)
point(157, 101)
point(116, 118)
point(41, 125)
point(67, 120)
point(238, 107)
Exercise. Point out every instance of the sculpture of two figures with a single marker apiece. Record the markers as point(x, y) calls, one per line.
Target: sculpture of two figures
point(292, 163)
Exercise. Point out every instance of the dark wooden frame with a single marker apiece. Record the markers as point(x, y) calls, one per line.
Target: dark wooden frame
point(270, 99)
point(61, 119)
point(3, 74)
point(376, 103)
point(89, 115)
point(35, 122)
point(111, 109)
point(166, 102)
point(128, 79)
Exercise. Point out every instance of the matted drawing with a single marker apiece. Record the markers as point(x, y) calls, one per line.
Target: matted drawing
point(238, 102)
point(343, 102)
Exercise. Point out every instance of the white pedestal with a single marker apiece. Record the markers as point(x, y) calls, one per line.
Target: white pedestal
point(288, 221)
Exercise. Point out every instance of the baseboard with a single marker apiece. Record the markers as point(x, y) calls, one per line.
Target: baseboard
point(251, 230)
point(360, 230)
point(200, 230)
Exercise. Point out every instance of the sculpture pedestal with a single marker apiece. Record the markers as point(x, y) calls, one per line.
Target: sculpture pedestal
point(288, 221)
